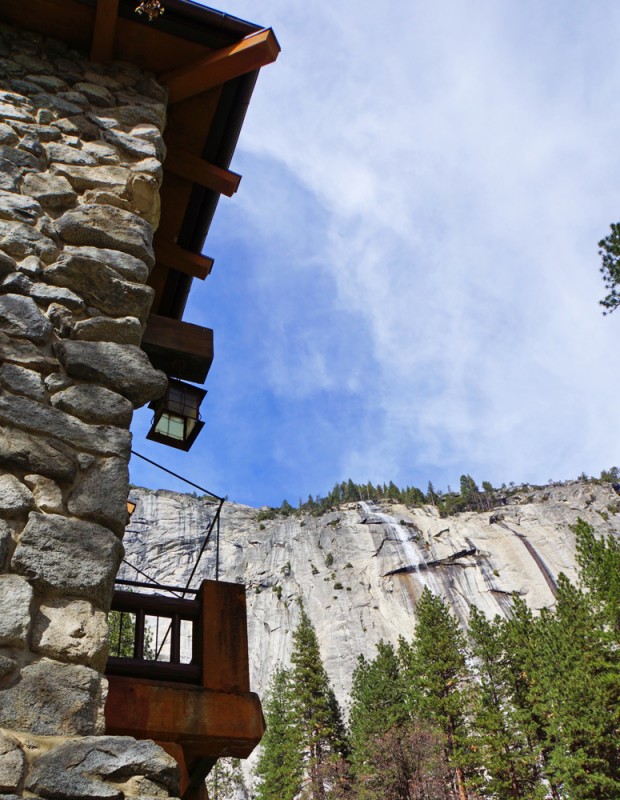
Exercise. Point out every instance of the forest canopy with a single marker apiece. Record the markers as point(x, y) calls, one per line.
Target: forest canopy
point(523, 708)
point(470, 496)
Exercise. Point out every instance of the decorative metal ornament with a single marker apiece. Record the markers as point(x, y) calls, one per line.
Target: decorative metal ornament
point(152, 9)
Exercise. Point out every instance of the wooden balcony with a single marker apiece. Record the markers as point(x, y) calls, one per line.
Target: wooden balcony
point(192, 696)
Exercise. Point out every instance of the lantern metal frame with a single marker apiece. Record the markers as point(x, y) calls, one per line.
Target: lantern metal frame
point(177, 409)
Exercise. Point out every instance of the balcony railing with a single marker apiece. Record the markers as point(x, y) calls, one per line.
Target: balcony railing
point(200, 641)
point(148, 637)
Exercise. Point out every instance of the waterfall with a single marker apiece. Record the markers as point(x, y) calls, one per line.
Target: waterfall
point(413, 556)
point(456, 587)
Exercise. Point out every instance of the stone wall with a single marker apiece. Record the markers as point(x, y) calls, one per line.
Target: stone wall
point(100, 767)
point(80, 170)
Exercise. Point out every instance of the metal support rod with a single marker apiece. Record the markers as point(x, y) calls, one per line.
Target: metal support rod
point(175, 640)
point(180, 477)
point(216, 520)
point(217, 550)
point(152, 582)
point(120, 633)
point(163, 641)
point(153, 585)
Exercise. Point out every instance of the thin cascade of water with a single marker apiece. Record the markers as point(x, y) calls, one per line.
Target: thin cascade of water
point(461, 590)
point(413, 556)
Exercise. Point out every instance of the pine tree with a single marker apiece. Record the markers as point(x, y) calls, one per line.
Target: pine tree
point(393, 756)
point(599, 572)
point(393, 492)
point(563, 673)
point(225, 781)
point(412, 496)
point(350, 492)
point(280, 766)
point(437, 675)
point(580, 676)
point(122, 634)
point(470, 494)
point(609, 251)
point(377, 706)
point(286, 509)
point(409, 764)
point(503, 750)
point(612, 475)
point(314, 710)
point(488, 494)
point(335, 495)
point(521, 635)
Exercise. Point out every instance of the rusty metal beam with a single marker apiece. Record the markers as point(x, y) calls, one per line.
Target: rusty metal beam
point(251, 53)
point(206, 723)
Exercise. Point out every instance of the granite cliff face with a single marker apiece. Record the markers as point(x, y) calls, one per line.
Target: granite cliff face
point(359, 570)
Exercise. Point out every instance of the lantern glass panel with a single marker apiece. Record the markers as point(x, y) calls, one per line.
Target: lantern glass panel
point(171, 425)
point(181, 401)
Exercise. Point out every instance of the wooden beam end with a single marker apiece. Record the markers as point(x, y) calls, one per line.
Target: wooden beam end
point(251, 53)
point(272, 46)
point(193, 168)
point(170, 255)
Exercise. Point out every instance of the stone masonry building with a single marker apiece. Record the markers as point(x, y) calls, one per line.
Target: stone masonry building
point(110, 128)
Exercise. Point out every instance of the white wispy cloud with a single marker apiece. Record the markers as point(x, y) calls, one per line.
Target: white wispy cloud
point(424, 188)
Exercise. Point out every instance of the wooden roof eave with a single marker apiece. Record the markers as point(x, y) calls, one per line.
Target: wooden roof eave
point(196, 179)
point(197, 170)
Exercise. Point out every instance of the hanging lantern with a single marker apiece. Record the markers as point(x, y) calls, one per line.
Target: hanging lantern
point(176, 421)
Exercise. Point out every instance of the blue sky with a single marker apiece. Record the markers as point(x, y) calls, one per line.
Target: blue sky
point(406, 284)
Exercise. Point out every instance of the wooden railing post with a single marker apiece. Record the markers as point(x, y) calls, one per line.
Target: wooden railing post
point(224, 637)
point(175, 639)
point(138, 648)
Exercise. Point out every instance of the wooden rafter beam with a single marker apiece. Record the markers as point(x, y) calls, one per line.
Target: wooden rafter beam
point(187, 165)
point(179, 348)
point(172, 256)
point(104, 33)
point(251, 53)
